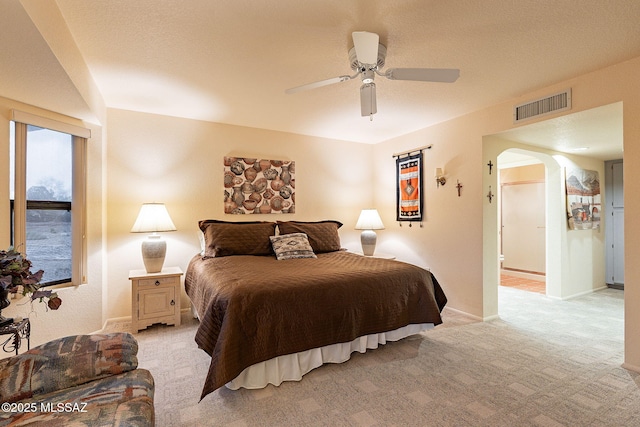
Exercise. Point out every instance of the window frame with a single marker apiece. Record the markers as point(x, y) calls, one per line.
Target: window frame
point(19, 205)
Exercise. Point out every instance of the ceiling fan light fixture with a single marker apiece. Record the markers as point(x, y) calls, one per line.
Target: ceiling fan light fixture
point(367, 76)
point(368, 100)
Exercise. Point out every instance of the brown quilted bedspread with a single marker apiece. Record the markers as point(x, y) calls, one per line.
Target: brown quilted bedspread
point(254, 308)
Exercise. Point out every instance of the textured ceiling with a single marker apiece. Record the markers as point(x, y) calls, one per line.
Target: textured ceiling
point(29, 71)
point(231, 61)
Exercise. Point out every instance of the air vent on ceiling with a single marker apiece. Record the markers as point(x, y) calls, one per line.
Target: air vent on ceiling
point(550, 104)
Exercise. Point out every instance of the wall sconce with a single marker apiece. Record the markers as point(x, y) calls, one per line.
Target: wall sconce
point(440, 179)
point(153, 218)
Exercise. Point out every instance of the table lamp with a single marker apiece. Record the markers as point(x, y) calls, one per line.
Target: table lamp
point(368, 221)
point(153, 218)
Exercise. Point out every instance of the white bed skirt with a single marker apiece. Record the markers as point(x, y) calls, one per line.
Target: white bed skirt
point(293, 366)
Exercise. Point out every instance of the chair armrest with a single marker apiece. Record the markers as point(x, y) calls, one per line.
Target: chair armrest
point(66, 362)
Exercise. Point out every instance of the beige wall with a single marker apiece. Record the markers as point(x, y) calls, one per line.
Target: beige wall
point(179, 162)
point(510, 175)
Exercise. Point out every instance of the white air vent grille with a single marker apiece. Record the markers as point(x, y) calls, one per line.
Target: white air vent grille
point(550, 104)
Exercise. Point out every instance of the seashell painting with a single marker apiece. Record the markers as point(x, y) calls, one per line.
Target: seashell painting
point(259, 186)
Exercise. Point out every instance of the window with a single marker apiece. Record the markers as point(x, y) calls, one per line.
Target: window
point(47, 197)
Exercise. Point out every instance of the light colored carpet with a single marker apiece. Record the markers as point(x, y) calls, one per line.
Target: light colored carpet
point(543, 363)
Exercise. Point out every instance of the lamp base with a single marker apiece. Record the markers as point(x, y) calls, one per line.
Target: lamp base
point(368, 240)
point(154, 250)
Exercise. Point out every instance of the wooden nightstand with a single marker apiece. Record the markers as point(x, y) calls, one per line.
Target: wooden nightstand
point(155, 297)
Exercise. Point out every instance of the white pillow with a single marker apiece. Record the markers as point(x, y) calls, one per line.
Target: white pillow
point(202, 243)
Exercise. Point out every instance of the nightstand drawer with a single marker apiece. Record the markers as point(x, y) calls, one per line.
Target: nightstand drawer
point(157, 281)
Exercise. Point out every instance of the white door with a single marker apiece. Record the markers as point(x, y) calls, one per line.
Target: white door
point(523, 227)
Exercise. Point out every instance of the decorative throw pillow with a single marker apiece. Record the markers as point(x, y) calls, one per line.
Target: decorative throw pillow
point(292, 246)
point(224, 238)
point(323, 235)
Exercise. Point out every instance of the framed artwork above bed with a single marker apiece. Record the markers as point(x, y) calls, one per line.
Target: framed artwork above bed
point(259, 186)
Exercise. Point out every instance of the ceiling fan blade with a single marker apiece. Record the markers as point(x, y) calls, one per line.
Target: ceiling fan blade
point(315, 85)
point(442, 75)
point(366, 45)
point(368, 105)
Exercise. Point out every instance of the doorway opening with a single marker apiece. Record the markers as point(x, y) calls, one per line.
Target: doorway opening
point(575, 259)
point(522, 217)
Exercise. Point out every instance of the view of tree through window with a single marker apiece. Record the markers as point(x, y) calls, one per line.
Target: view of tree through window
point(49, 194)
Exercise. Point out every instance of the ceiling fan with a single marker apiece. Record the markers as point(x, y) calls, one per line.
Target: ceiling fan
point(367, 58)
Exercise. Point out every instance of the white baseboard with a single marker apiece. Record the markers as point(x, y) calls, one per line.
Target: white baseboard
point(524, 275)
point(111, 321)
point(464, 313)
point(474, 317)
point(630, 367)
point(579, 294)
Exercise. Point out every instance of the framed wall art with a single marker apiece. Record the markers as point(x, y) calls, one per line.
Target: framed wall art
point(409, 200)
point(583, 199)
point(259, 186)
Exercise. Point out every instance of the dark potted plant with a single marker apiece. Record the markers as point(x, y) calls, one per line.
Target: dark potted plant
point(15, 271)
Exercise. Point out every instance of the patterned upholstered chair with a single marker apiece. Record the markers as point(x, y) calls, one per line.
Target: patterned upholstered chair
point(78, 380)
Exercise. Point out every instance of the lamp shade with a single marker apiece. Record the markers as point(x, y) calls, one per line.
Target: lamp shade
point(369, 220)
point(153, 217)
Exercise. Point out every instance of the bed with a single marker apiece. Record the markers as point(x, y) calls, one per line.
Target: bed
point(267, 319)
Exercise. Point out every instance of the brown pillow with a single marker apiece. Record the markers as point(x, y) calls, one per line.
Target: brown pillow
point(323, 235)
point(224, 238)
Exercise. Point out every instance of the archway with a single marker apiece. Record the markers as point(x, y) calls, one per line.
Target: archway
point(493, 145)
point(555, 218)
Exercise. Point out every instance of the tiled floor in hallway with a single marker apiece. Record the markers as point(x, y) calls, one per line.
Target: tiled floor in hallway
point(530, 285)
